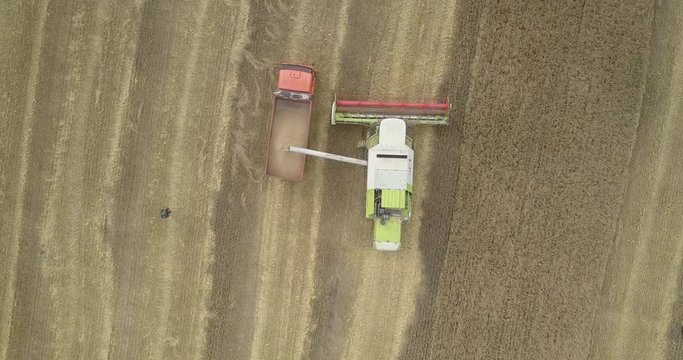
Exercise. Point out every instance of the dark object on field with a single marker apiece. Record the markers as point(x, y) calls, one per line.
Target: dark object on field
point(165, 213)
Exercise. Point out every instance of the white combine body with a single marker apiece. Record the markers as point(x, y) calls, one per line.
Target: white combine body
point(389, 183)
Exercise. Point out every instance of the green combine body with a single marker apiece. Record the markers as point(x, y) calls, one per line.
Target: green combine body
point(388, 199)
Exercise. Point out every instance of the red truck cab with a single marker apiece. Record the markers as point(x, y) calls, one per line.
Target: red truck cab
point(296, 78)
point(290, 121)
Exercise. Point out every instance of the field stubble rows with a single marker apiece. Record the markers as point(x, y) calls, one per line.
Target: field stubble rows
point(520, 247)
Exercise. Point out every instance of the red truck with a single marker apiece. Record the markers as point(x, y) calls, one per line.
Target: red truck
point(290, 121)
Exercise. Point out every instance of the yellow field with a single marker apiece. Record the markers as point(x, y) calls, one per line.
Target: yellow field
point(547, 218)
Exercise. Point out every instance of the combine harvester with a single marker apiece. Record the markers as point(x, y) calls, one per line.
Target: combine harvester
point(389, 161)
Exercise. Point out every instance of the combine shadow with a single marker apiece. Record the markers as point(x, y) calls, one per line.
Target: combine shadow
point(436, 226)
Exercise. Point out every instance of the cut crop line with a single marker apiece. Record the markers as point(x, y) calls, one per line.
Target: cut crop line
point(268, 253)
point(405, 284)
point(648, 236)
point(27, 132)
point(273, 195)
point(367, 286)
point(113, 173)
point(230, 83)
point(61, 273)
point(672, 275)
point(317, 175)
point(401, 45)
point(177, 177)
point(66, 243)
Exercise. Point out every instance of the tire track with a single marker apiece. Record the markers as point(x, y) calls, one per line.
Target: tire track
point(136, 234)
point(114, 110)
point(68, 264)
point(185, 335)
point(182, 176)
point(120, 52)
point(171, 243)
point(401, 274)
point(95, 287)
point(657, 254)
point(277, 299)
point(344, 287)
point(6, 307)
point(30, 336)
point(234, 231)
point(320, 137)
point(343, 236)
point(286, 281)
point(637, 317)
point(239, 37)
